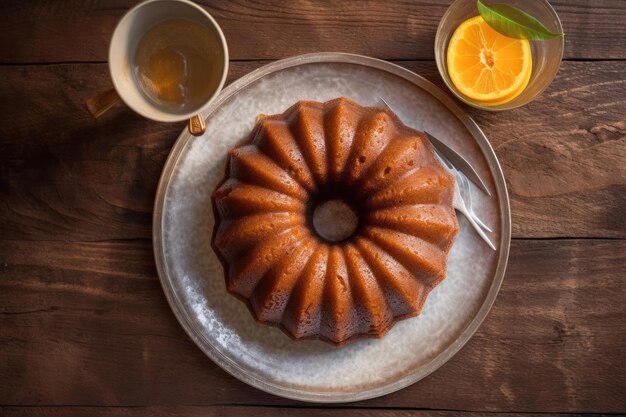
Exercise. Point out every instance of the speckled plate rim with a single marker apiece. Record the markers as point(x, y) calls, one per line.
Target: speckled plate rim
point(233, 367)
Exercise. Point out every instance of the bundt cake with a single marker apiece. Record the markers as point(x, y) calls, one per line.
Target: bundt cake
point(334, 220)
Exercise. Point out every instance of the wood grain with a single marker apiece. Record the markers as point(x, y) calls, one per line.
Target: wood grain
point(84, 325)
point(45, 30)
point(66, 176)
point(87, 324)
point(236, 411)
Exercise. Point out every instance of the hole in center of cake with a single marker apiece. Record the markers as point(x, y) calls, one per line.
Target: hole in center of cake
point(334, 220)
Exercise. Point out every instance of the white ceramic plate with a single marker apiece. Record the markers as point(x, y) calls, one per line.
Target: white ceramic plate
point(263, 356)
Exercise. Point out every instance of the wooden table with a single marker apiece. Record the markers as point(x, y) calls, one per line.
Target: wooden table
point(84, 325)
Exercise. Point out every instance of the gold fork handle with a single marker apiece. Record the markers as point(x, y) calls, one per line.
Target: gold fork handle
point(101, 103)
point(196, 125)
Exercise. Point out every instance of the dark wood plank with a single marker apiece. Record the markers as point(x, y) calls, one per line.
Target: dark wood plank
point(66, 176)
point(87, 324)
point(80, 30)
point(234, 411)
point(95, 179)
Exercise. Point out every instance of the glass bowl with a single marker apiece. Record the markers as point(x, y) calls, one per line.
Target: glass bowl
point(546, 54)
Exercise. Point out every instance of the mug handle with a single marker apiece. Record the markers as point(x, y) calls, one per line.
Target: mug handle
point(103, 102)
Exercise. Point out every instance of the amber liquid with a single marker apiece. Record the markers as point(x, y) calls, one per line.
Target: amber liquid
point(178, 64)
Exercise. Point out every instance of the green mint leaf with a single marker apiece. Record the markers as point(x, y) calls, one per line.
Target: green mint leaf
point(514, 23)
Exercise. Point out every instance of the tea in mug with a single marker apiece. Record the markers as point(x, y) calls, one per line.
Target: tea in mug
point(178, 64)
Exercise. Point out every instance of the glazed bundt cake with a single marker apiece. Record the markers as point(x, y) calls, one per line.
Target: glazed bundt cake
point(334, 220)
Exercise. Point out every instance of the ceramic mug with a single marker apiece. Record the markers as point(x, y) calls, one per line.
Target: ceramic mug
point(126, 37)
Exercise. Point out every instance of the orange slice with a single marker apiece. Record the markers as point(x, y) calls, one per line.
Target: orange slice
point(487, 66)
